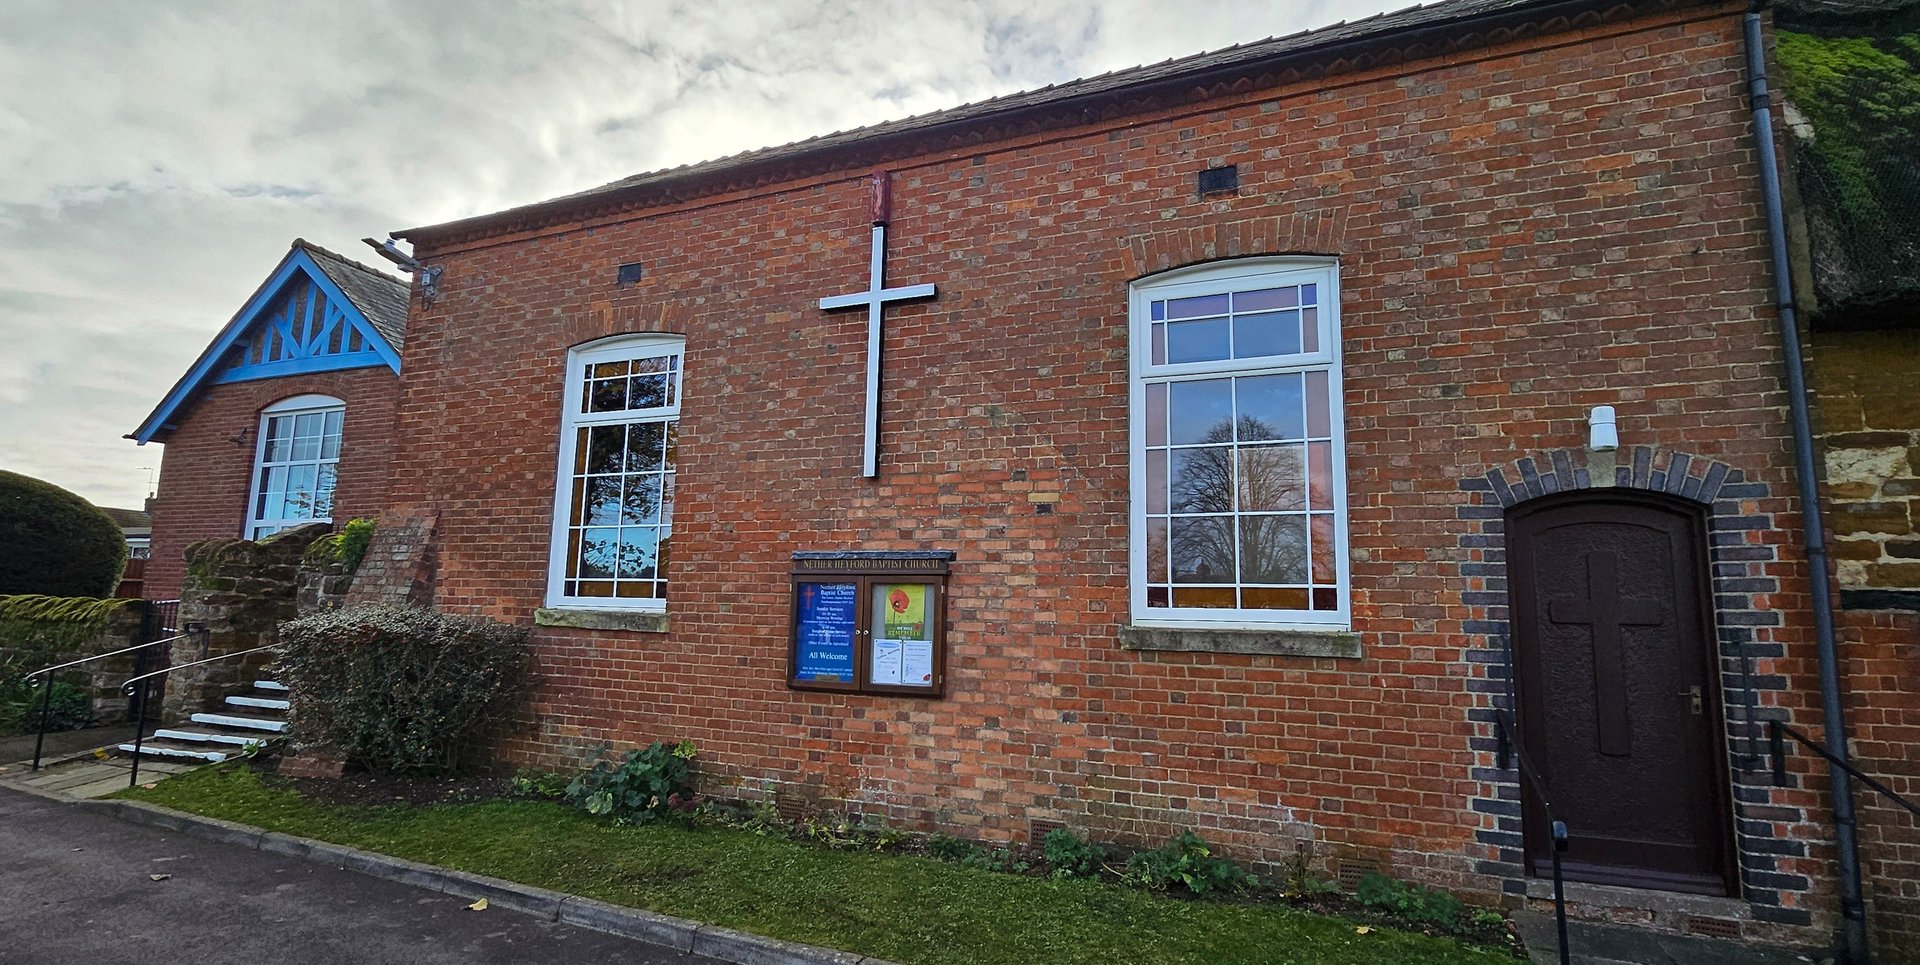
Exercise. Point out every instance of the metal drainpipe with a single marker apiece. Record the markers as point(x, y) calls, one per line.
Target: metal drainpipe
point(1852, 913)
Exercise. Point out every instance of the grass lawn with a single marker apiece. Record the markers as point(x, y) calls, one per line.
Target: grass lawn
point(908, 909)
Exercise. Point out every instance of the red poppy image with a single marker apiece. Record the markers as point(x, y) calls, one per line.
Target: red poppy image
point(899, 601)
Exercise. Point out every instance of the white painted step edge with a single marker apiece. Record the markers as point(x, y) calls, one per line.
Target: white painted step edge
point(252, 723)
point(214, 757)
point(274, 685)
point(264, 703)
point(202, 737)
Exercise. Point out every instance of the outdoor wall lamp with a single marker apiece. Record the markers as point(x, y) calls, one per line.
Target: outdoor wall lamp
point(1602, 434)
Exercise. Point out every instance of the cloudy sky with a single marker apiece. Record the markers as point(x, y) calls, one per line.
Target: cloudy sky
point(156, 159)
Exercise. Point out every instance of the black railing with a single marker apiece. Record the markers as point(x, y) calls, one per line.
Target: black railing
point(145, 680)
point(1512, 752)
point(141, 650)
point(1778, 731)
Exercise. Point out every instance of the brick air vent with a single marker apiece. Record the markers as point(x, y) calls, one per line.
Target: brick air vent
point(1352, 871)
point(1713, 927)
point(1219, 180)
point(629, 275)
point(1037, 831)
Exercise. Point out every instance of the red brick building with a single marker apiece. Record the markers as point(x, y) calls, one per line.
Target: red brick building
point(286, 417)
point(1234, 426)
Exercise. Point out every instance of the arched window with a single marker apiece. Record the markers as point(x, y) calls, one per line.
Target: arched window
point(295, 464)
point(1239, 475)
point(613, 512)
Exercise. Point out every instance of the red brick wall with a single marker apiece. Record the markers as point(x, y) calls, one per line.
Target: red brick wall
point(205, 474)
point(1525, 232)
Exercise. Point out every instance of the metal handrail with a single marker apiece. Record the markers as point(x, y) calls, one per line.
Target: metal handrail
point(140, 728)
point(1777, 728)
point(46, 689)
point(1510, 745)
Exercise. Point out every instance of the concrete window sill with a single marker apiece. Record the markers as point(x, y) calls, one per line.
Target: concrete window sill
point(1279, 643)
point(633, 620)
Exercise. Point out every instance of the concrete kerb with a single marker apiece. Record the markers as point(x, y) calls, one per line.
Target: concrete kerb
point(680, 934)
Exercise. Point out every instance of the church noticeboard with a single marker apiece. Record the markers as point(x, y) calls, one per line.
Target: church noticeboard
point(869, 622)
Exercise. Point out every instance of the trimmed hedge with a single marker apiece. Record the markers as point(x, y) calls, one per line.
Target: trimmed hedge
point(55, 543)
point(402, 689)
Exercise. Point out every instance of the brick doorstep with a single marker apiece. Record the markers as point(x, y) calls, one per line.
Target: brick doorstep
point(681, 934)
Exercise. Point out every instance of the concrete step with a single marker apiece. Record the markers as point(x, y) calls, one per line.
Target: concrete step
point(171, 749)
point(273, 685)
point(211, 737)
point(234, 720)
point(262, 703)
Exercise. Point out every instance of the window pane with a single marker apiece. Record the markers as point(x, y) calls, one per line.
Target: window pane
point(1216, 598)
point(647, 392)
point(1197, 306)
point(1156, 482)
point(638, 589)
point(1319, 423)
point(308, 424)
point(599, 548)
point(1157, 414)
point(641, 504)
point(1320, 475)
point(1326, 598)
point(1276, 333)
point(323, 492)
point(1310, 330)
point(673, 443)
point(607, 370)
point(301, 483)
point(596, 588)
point(1203, 480)
point(1204, 341)
point(1266, 299)
point(1200, 411)
point(1202, 550)
point(1158, 336)
point(1273, 598)
point(602, 500)
point(666, 498)
point(1271, 407)
point(1158, 310)
point(606, 446)
point(1157, 560)
point(639, 552)
point(1326, 569)
point(652, 364)
point(1157, 598)
point(279, 443)
point(609, 395)
point(1273, 549)
point(646, 446)
point(1272, 478)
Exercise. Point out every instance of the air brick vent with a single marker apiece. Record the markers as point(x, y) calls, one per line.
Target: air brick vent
point(1220, 180)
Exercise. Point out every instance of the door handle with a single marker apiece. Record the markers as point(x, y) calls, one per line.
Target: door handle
point(1697, 698)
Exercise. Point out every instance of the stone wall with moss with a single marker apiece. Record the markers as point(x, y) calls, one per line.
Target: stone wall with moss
point(41, 631)
point(1867, 388)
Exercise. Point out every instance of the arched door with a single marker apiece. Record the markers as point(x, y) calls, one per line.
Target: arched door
point(1618, 688)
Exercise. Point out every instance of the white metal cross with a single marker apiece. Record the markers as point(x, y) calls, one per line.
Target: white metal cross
point(875, 298)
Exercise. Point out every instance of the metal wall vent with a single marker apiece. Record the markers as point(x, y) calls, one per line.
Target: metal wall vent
point(1219, 180)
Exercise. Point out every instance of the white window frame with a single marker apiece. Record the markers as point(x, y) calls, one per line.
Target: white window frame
point(1215, 278)
point(294, 406)
point(579, 359)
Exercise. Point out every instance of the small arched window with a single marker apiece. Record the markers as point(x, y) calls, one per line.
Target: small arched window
point(613, 511)
point(296, 464)
point(1239, 514)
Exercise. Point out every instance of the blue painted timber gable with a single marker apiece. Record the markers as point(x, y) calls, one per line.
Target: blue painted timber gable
point(298, 322)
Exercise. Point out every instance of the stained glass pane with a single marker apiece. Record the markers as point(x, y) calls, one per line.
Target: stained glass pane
point(1159, 339)
point(1319, 423)
point(1273, 549)
point(1326, 567)
point(1320, 474)
point(1208, 597)
point(1266, 299)
point(1157, 414)
point(1326, 598)
point(1158, 310)
point(1273, 598)
point(1156, 482)
point(1157, 598)
point(1310, 330)
point(1157, 559)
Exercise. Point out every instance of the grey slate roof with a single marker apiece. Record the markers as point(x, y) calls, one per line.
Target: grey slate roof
point(1384, 27)
point(378, 295)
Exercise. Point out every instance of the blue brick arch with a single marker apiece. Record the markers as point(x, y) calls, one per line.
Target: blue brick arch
point(1743, 581)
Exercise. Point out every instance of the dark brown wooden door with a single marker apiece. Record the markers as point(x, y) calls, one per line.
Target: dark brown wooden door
point(1614, 660)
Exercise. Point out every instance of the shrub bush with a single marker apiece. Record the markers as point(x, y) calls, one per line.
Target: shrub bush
point(1072, 856)
point(1410, 901)
point(651, 783)
point(54, 542)
point(401, 689)
point(354, 538)
point(67, 708)
point(1186, 862)
point(967, 854)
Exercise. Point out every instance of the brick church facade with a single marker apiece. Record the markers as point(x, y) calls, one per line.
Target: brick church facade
point(1375, 278)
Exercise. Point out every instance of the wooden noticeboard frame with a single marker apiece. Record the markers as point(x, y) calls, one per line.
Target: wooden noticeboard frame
point(827, 621)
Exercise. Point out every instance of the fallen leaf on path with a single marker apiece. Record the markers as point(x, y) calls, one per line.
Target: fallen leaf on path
point(1362, 930)
point(159, 877)
point(480, 905)
point(149, 786)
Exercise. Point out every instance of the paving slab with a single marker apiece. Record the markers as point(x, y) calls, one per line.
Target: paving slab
point(1593, 943)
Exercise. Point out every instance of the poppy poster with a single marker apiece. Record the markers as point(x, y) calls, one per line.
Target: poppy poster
point(906, 611)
